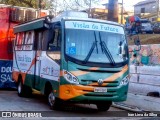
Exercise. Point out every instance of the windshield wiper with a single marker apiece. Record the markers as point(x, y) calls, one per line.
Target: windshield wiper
point(96, 41)
point(94, 44)
point(90, 52)
point(106, 50)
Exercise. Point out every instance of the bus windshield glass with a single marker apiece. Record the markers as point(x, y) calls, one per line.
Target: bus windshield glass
point(95, 42)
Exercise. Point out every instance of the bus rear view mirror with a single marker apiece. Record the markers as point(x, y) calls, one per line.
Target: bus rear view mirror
point(122, 48)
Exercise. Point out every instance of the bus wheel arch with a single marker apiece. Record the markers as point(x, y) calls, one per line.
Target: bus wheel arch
point(47, 88)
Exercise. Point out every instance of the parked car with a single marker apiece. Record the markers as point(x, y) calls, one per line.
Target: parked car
point(145, 26)
point(156, 27)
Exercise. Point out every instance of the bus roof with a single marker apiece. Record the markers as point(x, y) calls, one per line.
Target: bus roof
point(31, 25)
point(41, 22)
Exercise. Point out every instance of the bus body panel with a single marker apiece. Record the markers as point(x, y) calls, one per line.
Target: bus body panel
point(89, 81)
point(37, 70)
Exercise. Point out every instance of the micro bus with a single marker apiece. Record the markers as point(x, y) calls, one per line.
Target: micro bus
point(72, 58)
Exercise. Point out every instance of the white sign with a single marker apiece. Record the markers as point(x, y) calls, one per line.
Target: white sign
point(94, 26)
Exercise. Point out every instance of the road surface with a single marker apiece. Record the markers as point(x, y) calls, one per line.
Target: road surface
point(9, 101)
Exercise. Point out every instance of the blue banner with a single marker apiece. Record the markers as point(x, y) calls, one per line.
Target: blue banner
point(6, 74)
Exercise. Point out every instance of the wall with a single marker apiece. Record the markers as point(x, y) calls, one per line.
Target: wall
point(145, 69)
point(148, 55)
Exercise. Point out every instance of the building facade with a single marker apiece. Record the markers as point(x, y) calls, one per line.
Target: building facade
point(102, 13)
point(147, 6)
point(147, 9)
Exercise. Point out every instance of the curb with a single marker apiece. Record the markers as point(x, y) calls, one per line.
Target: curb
point(130, 108)
point(143, 104)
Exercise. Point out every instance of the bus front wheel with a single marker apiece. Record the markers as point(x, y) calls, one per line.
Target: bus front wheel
point(53, 101)
point(104, 106)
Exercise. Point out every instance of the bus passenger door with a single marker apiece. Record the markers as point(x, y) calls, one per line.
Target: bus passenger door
point(38, 57)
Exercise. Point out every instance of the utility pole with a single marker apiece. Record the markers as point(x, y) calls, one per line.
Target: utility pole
point(113, 10)
point(90, 8)
point(122, 13)
point(157, 9)
point(39, 8)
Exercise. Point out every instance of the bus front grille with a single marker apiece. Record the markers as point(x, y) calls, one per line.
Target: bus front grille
point(95, 83)
point(100, 95)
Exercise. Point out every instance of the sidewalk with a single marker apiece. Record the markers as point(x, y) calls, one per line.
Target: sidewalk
point(144, 80)
point(140, 102)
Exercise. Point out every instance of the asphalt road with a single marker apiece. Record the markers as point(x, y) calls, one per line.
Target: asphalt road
point(9, 101)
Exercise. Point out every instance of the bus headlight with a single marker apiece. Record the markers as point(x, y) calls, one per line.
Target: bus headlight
point(70, 78)
point(124, 81)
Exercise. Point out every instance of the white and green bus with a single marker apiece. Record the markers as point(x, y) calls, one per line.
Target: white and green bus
point(72, 58)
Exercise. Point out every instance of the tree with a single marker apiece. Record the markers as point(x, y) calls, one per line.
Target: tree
point(57, 6)
point(85, 4)
point(22, 3)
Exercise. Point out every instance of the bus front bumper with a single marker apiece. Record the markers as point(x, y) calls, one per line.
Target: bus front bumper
point(80, 93)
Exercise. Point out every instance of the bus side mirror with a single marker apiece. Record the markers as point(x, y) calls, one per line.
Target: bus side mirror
point(121, 49)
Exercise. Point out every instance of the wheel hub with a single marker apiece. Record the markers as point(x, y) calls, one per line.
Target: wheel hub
point(51, 99)
point(19, 88)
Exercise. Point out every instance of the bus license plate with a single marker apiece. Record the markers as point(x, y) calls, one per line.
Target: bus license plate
point(100, 89)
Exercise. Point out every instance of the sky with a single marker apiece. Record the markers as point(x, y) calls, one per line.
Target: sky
point(128, 4)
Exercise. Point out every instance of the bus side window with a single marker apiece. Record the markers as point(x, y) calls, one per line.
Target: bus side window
point(41, 40)
point(38, 41)
point(55, 42)
point(44, 38)
point(20, 39)
point(29, 37)
point(28, 40)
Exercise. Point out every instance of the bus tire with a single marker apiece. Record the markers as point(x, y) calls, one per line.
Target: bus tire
point(27, 91)
point(103, 106)
point(53, 101)
point(20, 89)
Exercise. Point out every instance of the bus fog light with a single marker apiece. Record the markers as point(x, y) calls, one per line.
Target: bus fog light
point(67, 91)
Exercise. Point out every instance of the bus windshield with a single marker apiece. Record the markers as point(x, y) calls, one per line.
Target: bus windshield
point(98, 46)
